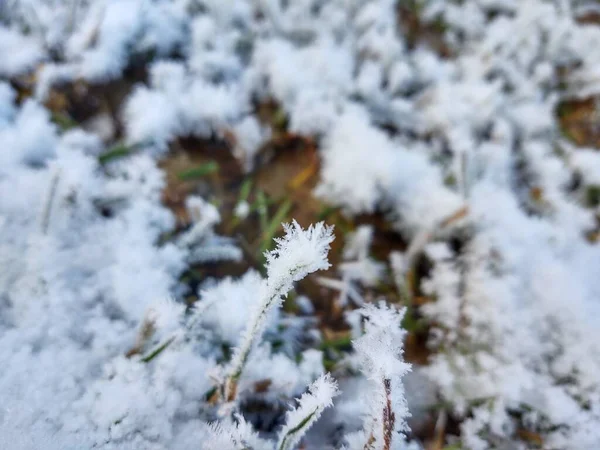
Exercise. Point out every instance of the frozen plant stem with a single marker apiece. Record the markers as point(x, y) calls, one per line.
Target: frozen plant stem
point(297, 254)
point(404, 266)
point(158, 350)
point(271, 297)
point(145, 332)
point(303, 424)
point(389, 418)
point(379, 352)
point(310, 407)
point(49, 201)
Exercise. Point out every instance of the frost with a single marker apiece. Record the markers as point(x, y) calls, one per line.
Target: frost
point(31, 138)
point(357, 269)
point(379, 356)
point(230, 295)
point(390, 176)
point(310, 407)
point(18, 53)
point(234, 436)
point(298, 253)
point(450, 134)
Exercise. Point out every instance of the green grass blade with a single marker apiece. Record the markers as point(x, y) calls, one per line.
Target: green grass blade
point(116, 152)
point(154, 353)
point(275, 223)
point(199, 171)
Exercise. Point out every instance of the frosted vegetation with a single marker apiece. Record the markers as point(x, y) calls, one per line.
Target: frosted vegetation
point(440, 116)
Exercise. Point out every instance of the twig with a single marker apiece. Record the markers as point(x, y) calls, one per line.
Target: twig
point(49, 202)
point(389, 418)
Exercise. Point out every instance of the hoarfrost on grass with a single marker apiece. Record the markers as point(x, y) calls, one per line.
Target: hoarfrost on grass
point(401, 130)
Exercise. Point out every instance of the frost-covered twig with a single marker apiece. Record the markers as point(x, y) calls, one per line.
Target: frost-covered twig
point(345, 288)
point(204, 217)
point(50, 201)
point(164, 316)
point(358, 268)
point(422, 238)
point(402, 264)
point(379, 353)
point(297, 254)
point(310, 407)
point(145, 332)
point(201, 240)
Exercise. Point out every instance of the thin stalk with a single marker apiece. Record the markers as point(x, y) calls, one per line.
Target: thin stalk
point(389, 418)
point(49, 202)
point(297, 428)
point(153, 354)
point(253, 334)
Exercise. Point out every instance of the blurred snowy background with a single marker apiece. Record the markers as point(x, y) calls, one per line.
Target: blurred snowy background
point(151, 149)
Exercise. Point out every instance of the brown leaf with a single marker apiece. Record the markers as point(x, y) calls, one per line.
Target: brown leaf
point(530, 436)
point(262, 386)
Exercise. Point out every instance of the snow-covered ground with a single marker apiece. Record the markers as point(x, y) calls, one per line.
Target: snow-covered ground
point(460, 149)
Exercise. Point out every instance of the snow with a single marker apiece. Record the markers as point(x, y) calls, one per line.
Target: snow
point(401, 130)
point(18, 52)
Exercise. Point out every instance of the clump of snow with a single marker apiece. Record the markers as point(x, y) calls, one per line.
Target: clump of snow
point(401, 130)
point(364, 170)
point(18, 53)
point(30, 138)
point(180, 104)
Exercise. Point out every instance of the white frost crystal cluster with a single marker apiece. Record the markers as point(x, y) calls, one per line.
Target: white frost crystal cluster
point(94, 356)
